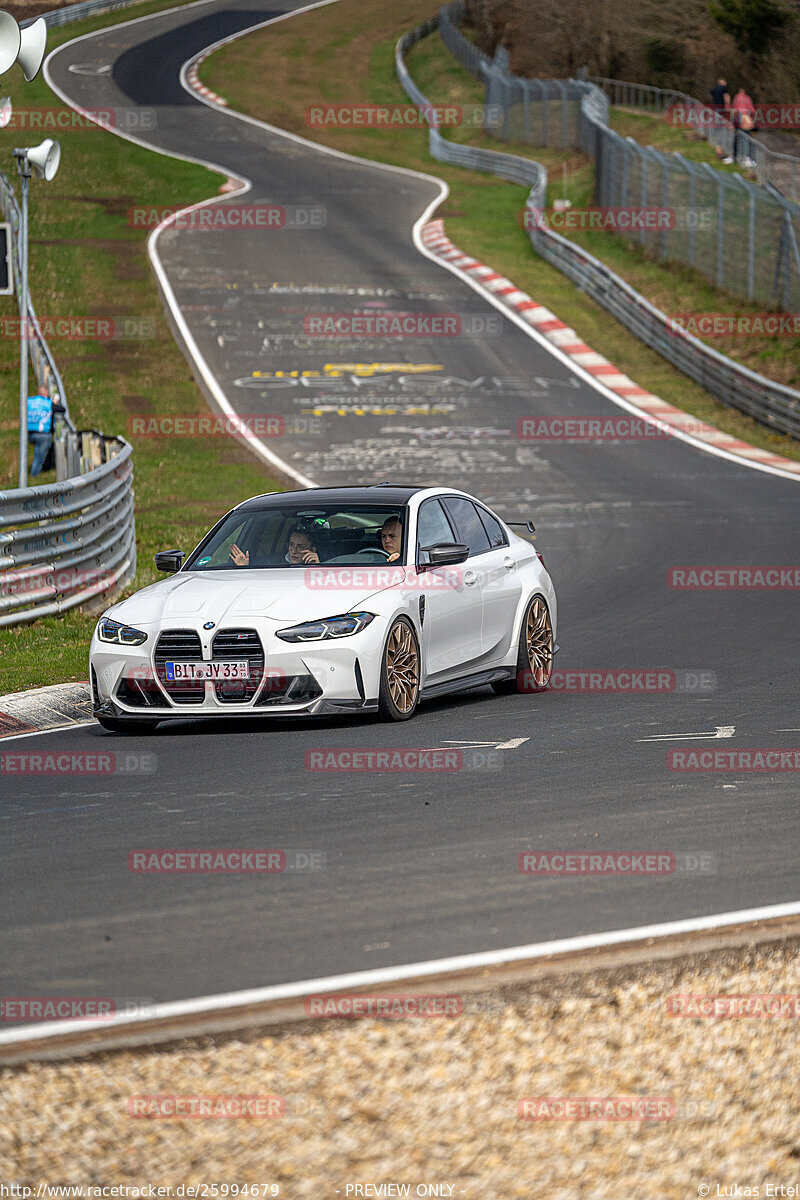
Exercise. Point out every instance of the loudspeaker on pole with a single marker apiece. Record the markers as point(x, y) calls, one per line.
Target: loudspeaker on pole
point(25, 46)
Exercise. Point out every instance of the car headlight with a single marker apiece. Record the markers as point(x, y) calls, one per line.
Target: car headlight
point(328, 627)
point(119, 635)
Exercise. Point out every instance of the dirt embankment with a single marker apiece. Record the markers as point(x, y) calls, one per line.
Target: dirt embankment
point(667, 43)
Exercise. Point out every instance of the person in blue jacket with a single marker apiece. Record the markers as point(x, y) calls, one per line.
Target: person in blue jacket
point(40, 430)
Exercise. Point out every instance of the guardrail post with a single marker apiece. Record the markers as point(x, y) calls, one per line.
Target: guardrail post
point(565, 139)
point(690, 211)
point(665, 189)
point(719, 182)
point(751, 236)
point(643, 161)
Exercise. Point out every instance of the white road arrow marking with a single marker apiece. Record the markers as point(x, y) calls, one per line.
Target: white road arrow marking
point(722, 731)
point(458, 742)
point(513, 744)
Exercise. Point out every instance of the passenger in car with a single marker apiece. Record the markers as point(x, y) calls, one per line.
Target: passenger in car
point(301, 549)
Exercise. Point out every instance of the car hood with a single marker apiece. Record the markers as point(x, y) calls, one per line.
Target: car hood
point(232, 596)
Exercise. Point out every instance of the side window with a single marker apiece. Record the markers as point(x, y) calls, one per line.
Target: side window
point(497, 535)
point(432, 527)
point(221, 556)
point(468, 524)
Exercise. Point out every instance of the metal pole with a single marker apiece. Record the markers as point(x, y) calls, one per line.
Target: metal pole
point(23, 352)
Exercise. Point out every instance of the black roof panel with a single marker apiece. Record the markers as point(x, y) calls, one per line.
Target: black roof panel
point(372, 494)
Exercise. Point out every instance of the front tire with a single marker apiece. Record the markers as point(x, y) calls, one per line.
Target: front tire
point(400, 671)
point(535, 652)
point(132, 726)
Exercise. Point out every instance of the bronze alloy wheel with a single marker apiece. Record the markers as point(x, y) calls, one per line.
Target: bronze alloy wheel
point(539, 643)
point(400, 672)
point(534, 652)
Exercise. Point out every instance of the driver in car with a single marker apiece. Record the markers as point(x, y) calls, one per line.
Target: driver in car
point(392, 538)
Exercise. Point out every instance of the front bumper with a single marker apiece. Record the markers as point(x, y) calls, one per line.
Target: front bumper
point(288, 679)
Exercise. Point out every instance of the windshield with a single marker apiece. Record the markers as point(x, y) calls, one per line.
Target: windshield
point(299, 535)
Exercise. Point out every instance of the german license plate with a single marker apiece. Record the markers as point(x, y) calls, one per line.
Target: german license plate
point(235, 669)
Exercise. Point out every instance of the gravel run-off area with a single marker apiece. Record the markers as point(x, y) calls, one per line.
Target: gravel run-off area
point(432, 1105)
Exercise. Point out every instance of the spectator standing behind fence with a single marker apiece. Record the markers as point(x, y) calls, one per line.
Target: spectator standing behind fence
point(743, 117)
point(720, 96)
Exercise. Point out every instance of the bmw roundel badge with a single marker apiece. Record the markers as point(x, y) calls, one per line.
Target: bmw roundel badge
point(208, 625)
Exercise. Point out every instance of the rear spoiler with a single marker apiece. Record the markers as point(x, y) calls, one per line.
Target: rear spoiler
point(529, 525)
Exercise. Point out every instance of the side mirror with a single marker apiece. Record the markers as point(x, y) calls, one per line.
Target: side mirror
point(169, 561)
point(444, 554)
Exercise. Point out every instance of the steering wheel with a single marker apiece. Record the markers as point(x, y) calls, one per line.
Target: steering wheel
point(372, 550)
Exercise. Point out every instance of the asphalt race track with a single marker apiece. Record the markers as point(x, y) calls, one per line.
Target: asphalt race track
point(416, 865)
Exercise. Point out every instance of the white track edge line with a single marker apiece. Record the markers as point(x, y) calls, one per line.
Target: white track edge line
point(389, 975)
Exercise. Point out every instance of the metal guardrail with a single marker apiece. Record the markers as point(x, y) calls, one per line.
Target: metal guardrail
point(76, 12)
point(65, 544)
point(507, 166)
point(771, 403)
point(735, 385)
point(74, 541)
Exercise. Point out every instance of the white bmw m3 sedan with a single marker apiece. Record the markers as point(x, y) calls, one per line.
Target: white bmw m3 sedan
point(329, 600)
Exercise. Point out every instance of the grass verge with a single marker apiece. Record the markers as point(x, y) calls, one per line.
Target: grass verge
point(345, 54)
point(86, 261)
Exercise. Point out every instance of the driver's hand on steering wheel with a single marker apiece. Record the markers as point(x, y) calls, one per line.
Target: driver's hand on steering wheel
point(394, 557)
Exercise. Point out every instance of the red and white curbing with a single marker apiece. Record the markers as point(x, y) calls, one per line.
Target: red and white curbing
point(194, 81)
point(569, 343)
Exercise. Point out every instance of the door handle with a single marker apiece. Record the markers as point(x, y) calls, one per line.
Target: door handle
point(508, 562)
point(470, 578)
